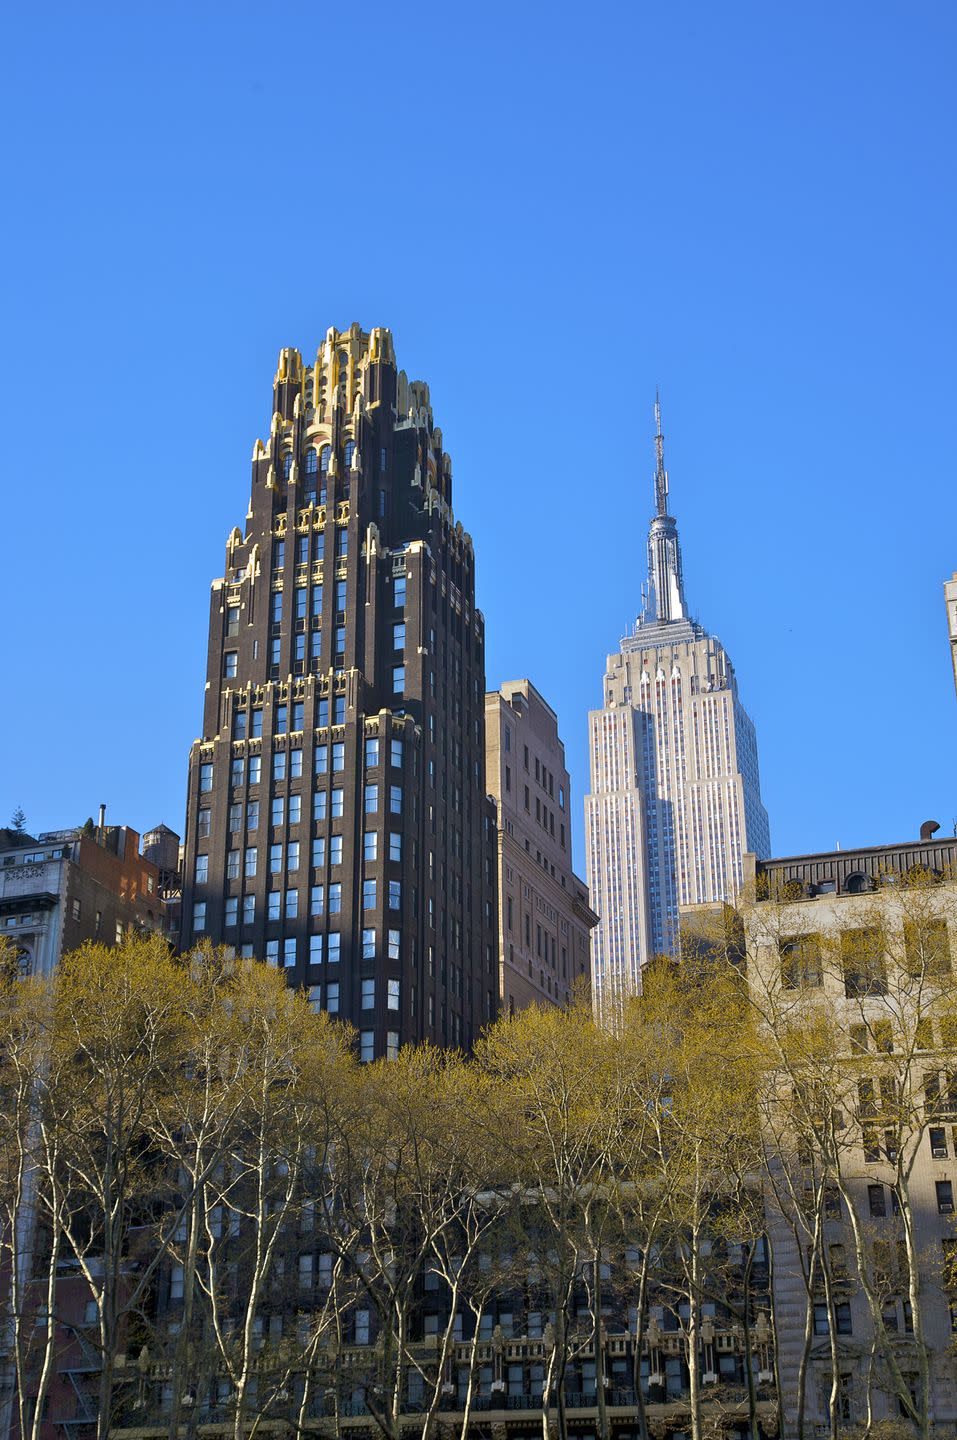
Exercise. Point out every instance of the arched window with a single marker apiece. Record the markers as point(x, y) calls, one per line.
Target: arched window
point(324, 459)
point(312, 462)
point(857, 884)
point(286, 466)
point(350, 451)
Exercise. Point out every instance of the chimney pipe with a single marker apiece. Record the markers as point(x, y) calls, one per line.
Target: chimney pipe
point(928, 829)
point(102, 820)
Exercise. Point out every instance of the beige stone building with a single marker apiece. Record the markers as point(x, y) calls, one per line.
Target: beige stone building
point(543, 912)
point(870, 935)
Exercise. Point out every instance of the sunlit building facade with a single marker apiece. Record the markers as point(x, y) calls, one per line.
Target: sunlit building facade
point(675, 796)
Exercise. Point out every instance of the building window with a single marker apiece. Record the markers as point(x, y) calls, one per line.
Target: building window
point(395, 845)
point(278, 810)
point(231, 911)
point(239, 725)
point(368, 894)
point(368, 944)
point(205, 778)
point(249, 909)
point(333, 943)
point(339, 710)
point(201, 873)
point(272, 952)
point(393, 994)
point(250, 866)
point(335, 850)
point(255, 769)
point(398, 679)
point(399, 592)
point(319, 852)
point(230, 664)
point(295, 763)
point(395, 895)
point(256, 724)
point(317, 899)
point(203, 823)
point(398, 635)
point(315, 949)
point(332, 1006)
point(395, 942)
point(396, 752)
point(320, 804)
point(372, 753)
point(370, 845)
point(945, 1197)
point(395, 799)
point(342, 544)
point(801, 966)
point(292, 855)
point(236, 771)
point(371, 799)
point(199, 920)
point(368, 994)
point(274, 905)
point(279, 765)
point(366, 1056)
point(335, 898)
point(862, 957)
point(289, 944)
point(339, 756)
point(295, 809)
point(336, 804)
point(282, 719)
point(322, 759)
point(392, 1045)
point(76, 905)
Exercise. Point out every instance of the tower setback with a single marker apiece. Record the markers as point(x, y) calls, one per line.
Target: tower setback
point(337, 820)
point(675, 796)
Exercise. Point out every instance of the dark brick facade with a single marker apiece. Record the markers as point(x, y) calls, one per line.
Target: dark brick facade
point(343, 735)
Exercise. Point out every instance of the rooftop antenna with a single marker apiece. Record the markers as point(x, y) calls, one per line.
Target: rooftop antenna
point(661, 474)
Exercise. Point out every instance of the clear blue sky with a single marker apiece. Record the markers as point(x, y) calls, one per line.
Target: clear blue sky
point(554, 207)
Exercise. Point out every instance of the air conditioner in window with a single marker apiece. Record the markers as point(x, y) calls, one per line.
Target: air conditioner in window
point(939, 1152)
point(945, 1208)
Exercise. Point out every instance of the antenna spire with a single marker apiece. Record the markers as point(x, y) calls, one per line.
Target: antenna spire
point(661, 474)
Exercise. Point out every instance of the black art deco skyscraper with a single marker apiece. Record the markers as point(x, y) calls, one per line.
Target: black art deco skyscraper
point(337, 821)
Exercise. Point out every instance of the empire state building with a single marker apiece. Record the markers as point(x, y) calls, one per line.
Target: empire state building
point(675, 796)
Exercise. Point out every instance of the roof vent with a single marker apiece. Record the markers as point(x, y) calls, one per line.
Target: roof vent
point(929, 829)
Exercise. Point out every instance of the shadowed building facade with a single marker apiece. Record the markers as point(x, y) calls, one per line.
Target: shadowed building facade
point(544, 917)
point(675, 796)
point(337, 820)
